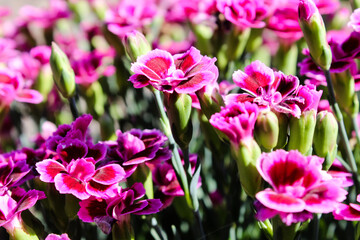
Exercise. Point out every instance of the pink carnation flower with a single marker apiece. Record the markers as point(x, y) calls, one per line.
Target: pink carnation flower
point(299, 187)
point(12, 87)
point(349, 212)
point(236, 120)
point(80, 177)
point(129, 15)
point(244, 14)
point(355, 20)
point(183, 73)
point(57, 237)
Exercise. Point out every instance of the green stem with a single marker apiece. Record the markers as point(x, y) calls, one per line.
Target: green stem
point(176, 159)
point(342, 130)
point(73, 108)
point(356, 128)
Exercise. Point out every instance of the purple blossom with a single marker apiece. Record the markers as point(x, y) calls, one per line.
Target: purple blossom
point(243, 14)
point(137, 146)
point(236, 120)
point(182, 73)
point(299, 187)
point(81, 178)
point(124, 202)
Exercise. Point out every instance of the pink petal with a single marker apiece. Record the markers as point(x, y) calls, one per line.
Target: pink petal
point(48, 169)
point(100, 190)
point(69, 185)
point(195, 83)
point(92, 208)
point(29, 96)
point(81, 169)
point(187, 60)
point(109, 174)
point(280, 202)
point(345, 212)
point(139, 80)
point(29, 200)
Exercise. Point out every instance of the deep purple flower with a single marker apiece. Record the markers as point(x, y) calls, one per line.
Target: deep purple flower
point(129, 15)
point(126, 201)
point(243, 14)
point(81, 178)
point(137, 146)
point(236, 120)
point(299, 187)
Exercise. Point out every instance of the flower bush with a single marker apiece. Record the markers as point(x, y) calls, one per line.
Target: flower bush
point(201, 119)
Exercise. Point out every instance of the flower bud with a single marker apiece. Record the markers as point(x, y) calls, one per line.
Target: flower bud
point(302, 132)
point(210, 101)
point(135, 45)
point(179, 112)
point(246, 155)
point(314, 31)
point(266, 130)
point(325, 135)
point(63, 74)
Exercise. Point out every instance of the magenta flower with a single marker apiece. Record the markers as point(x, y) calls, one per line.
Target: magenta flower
point(182, 73)
point(81, 178)
point(355, 20)
point(90, 66)
point(12, 87)
point(338, 171)
point(57, 237)
point(268, 89)
point(126, 201)
point(243, 14)
point(349, 212)
point(236, 120)
point(299, 187)
point(46, 18)
point(12, 204)
point(129, 15)
point(137, 146)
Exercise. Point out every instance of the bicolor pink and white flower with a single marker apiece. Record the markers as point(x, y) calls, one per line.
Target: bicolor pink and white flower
point(236, 120)
point(299, 187)
point(81, 178)
point(183, 73)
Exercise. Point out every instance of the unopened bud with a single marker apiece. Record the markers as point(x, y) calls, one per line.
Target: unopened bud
point(266, 130)
point(325, 136)
point(63, 74)
point(246, 155)
point(313, 28)
point(179, 113)
point(135, 45)
point(302, 132)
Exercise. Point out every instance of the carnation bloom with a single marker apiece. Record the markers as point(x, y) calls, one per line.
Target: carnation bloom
point(236, 120)
point(80, 177)
point(269, 89)
point(12, 87)
point(355, 20)
point(53, 236)
point(126, 201)
point(182, 73)
point(299, 187)
point(137, 146)
point(129, 15)
point(349, 212)
point(244, 14)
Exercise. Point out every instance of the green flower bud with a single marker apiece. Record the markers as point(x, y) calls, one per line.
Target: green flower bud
point(63, 74)
point(122, 229)
point(302, 132)
point(266, 130)
point(179, 112)
point(135, 45)
point(246, 155)
point(210, 102)
point(314, 31)
point(325, 136)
